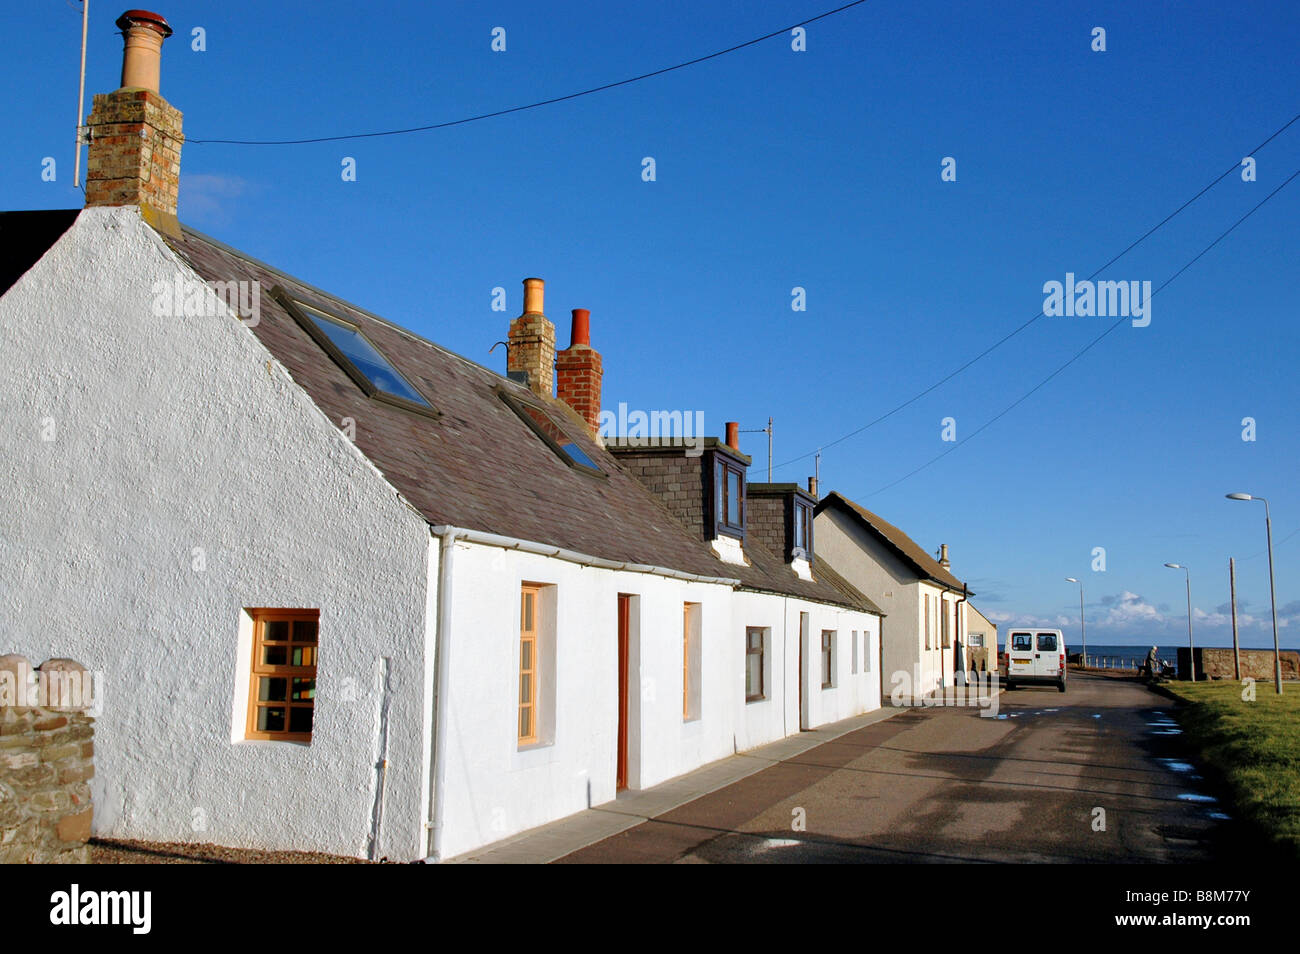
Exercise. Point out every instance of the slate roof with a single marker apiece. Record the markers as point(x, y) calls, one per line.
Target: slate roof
point(476, 464)
point(926, 566)
point(829, 574)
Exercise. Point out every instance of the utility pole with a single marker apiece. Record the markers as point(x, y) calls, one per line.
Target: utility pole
point(769, 450)
point(1232, 589)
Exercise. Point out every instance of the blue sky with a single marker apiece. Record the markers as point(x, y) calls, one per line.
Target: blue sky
point(818, 169)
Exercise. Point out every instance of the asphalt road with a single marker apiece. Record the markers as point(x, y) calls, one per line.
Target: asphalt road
point(948, 785)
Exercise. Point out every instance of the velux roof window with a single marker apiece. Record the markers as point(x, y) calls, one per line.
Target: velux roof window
point(353, 352)
point(545, 426)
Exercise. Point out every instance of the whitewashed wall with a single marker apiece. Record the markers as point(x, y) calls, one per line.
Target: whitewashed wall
point(495, 788)
point(173, 435)
point(878, 572)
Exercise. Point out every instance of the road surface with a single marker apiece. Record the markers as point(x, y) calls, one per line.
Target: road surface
point(948, 785)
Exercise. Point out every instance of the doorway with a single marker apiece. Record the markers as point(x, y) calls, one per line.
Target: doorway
point(624, 637)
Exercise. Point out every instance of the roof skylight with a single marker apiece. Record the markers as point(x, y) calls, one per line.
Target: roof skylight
point(372, 365)
point(546, 427)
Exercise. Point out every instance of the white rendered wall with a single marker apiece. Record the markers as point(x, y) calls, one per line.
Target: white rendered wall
point(875, 570)
point(173, 434)
point(495, 788)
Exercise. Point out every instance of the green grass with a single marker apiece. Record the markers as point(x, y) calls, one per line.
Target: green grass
point(1253, 746)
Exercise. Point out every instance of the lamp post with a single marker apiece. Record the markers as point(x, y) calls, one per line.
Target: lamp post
point(1191, 651)
point(1272, 598)
point(1083, 632)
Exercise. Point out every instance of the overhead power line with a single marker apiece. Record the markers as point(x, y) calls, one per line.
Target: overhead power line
point(1011, 334)
point(536, 105)
point(1089, 346)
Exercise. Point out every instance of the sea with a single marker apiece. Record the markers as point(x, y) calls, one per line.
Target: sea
point(1131, 657)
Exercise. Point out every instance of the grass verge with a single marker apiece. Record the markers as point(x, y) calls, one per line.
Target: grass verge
point(1254, 746)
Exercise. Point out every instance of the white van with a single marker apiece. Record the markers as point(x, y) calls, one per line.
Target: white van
point(1035, 656)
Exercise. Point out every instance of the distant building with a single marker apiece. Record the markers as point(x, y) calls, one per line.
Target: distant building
point(925, 604)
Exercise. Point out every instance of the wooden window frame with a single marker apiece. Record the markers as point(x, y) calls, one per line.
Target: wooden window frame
point(533, 637)
point(927, 620)
point(761, 653)
point(828, 658)
point(260, 670)
point(686, 661)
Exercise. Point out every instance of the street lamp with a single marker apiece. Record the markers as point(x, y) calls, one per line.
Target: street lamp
point(1083, 633)
point(1268, 527)
point(1191, 652)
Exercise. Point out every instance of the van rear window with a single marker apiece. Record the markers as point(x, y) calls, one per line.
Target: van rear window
point(1047, 642)
point(1022, 642)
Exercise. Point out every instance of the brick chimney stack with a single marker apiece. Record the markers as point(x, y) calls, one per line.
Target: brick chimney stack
point(943, 556)
point(532, 342)
point(578, 372)
point(135, 135)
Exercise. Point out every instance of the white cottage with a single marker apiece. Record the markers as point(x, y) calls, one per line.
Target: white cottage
point(927, 605)
point(351, 592)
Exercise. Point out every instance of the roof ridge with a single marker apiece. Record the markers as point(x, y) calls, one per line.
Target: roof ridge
point(921, 559)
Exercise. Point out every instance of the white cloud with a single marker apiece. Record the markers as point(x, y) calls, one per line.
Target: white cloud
point(211, 198)
point(1129, 608)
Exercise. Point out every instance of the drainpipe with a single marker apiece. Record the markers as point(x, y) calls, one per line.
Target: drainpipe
point(956, 625)
point(438, 775)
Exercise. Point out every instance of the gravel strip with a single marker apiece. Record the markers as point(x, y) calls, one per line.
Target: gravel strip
point(106, 851)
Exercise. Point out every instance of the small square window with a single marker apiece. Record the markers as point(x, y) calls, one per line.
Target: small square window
point(282, 686)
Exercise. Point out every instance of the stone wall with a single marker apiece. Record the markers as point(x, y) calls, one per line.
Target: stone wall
point(1255, 664)
point(46, 761)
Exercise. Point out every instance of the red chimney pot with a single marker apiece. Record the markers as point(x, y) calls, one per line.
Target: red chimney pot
point(581, 327)
point(733, 435)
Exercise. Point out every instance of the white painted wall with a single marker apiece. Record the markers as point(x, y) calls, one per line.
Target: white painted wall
point(179, 433)
point(893, 585)
point(495, 788)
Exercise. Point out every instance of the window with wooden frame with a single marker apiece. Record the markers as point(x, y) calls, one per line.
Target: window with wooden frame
point(728, 497)
point(947, 620)
point(926, 597)
point(528, 615)
point(686, 660)
point(692, 640)
point(282, 689)
point(828, 658)
point(755, 637)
